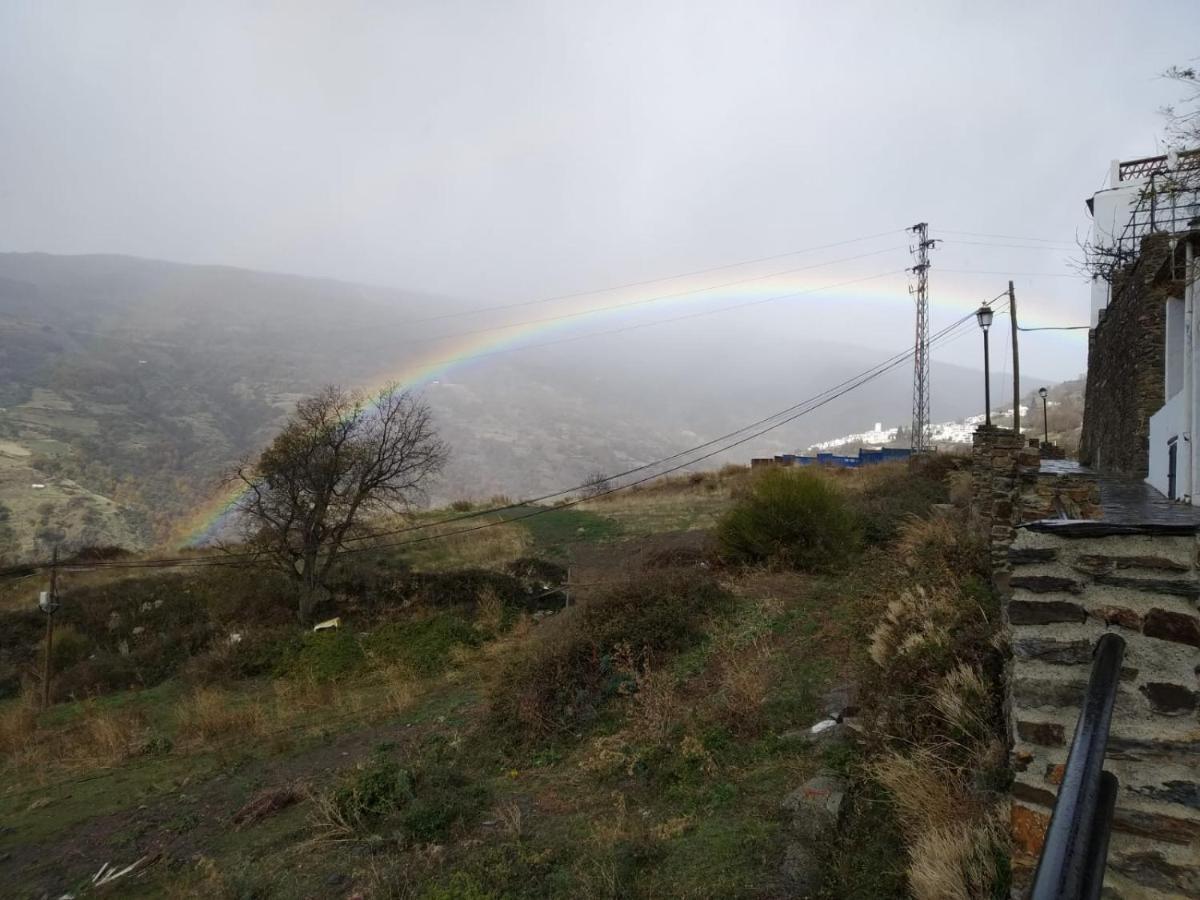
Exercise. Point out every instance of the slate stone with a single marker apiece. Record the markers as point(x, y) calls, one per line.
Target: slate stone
point(1158, 827)
point(1046, 734)
point(1023, 556)
point(1095, 563)
point(1172, 626)
point(1185, 793)
point(1032, 794)
point(816, 806)
point(1146, 749)
point(1169, 699)
point(1119, 615)
point(1032, 612)
point(1067, 653)
point(1189, 589)
point(1046, 584)
point(1152, 870)
point(1037, 692)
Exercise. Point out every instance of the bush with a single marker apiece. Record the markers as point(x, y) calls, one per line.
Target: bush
point(423, 646)
point(790, 518)
point(592, 652)
point(444, 800)
point(323, 656)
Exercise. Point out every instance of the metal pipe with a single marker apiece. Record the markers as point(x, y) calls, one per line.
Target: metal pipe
point(1097, 845)
point(1078, 813)
point(987, 383)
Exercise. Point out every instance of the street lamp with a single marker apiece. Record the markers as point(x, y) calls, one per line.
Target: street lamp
point(1042, 392)
point(984, 315)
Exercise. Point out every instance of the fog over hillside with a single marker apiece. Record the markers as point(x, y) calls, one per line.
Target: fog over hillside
point(129, 386)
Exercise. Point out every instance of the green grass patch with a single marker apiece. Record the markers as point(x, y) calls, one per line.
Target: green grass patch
point(554, 530)
point(425, 645)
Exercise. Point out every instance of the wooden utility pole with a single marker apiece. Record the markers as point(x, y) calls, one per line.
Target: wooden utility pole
point(50, 607)
point(1012, 315)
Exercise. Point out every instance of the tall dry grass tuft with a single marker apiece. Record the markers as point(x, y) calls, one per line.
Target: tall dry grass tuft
point(490, 610)
point(102, 738)
point(744, 682)
point(18, 731)
point(916, 623)
point(953, 862)
point(210, 715)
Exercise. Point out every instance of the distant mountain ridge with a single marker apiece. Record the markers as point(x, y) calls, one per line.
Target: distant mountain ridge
point(127, 386)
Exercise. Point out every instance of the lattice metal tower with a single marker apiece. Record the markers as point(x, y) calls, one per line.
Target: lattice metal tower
point(920, 291)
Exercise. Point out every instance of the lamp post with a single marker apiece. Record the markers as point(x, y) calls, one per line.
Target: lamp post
point(984, 315)
point(1042, 392)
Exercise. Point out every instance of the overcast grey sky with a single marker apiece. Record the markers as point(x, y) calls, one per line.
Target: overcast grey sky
point(499, 151)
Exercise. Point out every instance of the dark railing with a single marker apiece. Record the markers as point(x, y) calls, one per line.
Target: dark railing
point(1076, 846)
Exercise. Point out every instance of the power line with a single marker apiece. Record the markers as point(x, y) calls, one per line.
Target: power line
point(1009, 246)
point(797, 410)
point(1012, 274)
point(1007, 237)
point(1057, 328)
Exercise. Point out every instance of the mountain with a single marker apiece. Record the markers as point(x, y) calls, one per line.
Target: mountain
point(127, 386)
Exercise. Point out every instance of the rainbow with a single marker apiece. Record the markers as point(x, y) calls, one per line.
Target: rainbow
point(619, 308)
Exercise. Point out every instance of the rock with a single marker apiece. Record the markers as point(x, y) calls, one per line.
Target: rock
point(1119, 615)
point(1152, 869)
point(1057, 652)
point(1046, 584)
point(801, 871)
point(816, 806)
point(1172, 626)
point(1029, 612)
point(1185, 793)
point(1021, 556)
point(1046, 734)
point(842, 700)
point(138, 629)
point(1169, 699)
point(114, 620)
point(1189, 589)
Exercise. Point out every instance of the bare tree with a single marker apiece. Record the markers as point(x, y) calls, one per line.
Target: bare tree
point(1183, 122)
point(342, 457)
point(595, 484)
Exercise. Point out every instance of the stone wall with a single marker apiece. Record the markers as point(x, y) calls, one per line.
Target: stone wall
point(1064, 583)
point(1126, 365)
point(1065, 592)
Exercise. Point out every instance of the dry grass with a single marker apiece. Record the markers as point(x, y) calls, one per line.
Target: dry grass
point(211, 715)
point(957, 863)
point(744, 682)
point(913, 624)
point(486, 548)
point(490, 610)
point(18, 728)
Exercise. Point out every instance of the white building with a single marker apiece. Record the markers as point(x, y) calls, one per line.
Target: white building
point(1121, 215)
point(1174, 464)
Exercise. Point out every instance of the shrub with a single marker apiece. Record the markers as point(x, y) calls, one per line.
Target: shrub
point(594, 651)
point(790, 518)
point(257, 653)
point(444, 800)
point(424, 646)
point(210, 714)
point(323, 656)
point(371, 792)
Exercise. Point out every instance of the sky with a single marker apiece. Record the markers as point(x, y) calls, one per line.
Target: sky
point(505, 152)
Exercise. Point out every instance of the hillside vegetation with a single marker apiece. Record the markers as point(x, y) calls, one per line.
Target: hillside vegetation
point(606, 700)
point(129, 387)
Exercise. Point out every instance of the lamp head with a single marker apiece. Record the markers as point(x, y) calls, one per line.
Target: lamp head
point(1042, 392)
point(984, 315)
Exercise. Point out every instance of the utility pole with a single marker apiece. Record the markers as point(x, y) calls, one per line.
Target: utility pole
point(49, 604)
point(1012, 314)
point(919, 440)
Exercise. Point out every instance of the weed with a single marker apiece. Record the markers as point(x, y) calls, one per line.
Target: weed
point(424, 646)
point(323, 656)
point(210, 714)
point(790, 518)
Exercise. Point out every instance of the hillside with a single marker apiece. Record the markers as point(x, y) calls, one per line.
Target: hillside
point(588, 702)
point(128, 386)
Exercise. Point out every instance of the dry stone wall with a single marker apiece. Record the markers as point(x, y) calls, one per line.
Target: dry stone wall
point(1125, 366)
point(1066, 576)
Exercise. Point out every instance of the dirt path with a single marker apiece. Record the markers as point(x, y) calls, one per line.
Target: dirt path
point(205, 809)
